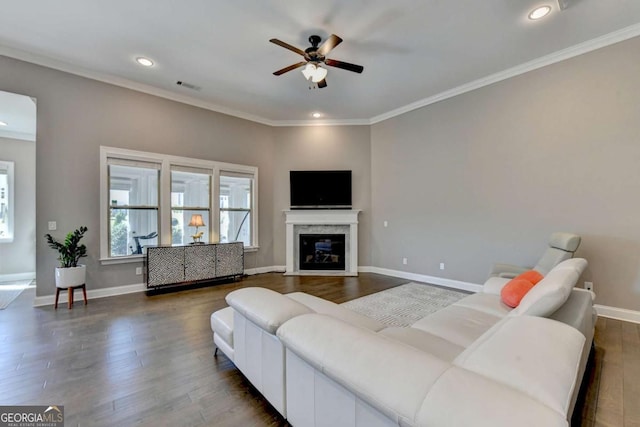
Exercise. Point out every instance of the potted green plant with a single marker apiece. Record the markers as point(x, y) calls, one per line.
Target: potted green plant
point(70, 251)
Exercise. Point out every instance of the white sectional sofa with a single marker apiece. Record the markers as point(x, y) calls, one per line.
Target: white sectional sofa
point(474, 363)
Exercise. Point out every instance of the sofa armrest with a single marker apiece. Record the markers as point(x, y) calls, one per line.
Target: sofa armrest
point(508, 271)
point(390, 376)
point(266, 308)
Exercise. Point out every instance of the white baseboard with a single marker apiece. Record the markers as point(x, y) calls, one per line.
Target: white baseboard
point(603, 310)
point(618, 313)
point(449, 283)
point(91, 294)
point(17, 276)
point(269, 269)
point(129, 289)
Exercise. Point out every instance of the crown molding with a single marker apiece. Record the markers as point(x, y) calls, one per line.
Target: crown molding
point(570, 52)
point(346, 122)
point(24, 136)
point(561, 55)
point(128, 84)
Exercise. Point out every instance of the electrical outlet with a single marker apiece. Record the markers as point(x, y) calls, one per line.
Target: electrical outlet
point(52, 225)
point(404, 261)
point(442, 266)
point(386, 224)
point(138, 271)
point(588, 286)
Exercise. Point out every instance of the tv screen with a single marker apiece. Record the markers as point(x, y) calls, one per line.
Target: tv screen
point(320, 189)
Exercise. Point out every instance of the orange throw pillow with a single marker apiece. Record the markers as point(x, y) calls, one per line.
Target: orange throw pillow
point(513, 292)
point(530, 275)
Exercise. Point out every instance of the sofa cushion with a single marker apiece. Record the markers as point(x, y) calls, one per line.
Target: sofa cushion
point(222, 324)
point(266, 308)
point(517, 352)
point(494, 285)
point(488, 303)
point(392, 378)
point(332, 309)
point(464, 398)
point(514, 291)
point(460, 325)
point(429, 343)
point(552, 291)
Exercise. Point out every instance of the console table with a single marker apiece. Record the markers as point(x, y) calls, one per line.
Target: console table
point(184, 265)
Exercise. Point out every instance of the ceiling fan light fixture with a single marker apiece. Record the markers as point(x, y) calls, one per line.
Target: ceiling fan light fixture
point(539, 12)
point(308, 71)
point(319, 74)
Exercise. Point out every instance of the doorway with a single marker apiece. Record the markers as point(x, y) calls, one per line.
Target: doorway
point(17, 196)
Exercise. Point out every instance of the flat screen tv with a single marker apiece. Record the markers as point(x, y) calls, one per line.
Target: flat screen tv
point(320, 189)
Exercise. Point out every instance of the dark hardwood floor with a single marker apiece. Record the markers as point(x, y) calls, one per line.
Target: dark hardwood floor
point(148, 360)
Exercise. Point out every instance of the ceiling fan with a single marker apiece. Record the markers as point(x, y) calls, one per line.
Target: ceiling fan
point(315, 57)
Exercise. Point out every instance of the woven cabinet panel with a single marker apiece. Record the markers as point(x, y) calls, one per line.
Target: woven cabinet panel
point(230, 259)
point(165, 265)
point(199, 262)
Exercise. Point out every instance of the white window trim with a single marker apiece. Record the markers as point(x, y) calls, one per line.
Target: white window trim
point(165, 196)
point(10, 177)
point(249, 170)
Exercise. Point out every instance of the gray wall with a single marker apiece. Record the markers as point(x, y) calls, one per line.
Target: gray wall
point(19, 256)
point(77, 115)
point(488, 175)
point(482, 177)
point(323, 148)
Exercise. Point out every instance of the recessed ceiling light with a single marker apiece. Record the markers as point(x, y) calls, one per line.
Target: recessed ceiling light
point(539, 12)
point(146, 62)
point(316, 115)
point(3, 123)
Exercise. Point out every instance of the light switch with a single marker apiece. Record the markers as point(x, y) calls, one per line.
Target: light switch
point(53, 225)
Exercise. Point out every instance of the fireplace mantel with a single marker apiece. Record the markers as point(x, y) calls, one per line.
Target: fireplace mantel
point(322, 221)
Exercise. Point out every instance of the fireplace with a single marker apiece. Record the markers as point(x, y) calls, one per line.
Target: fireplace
point(322, 252)
point(334, 251)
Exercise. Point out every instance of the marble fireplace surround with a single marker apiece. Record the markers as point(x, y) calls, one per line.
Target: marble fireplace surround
point(321, 222)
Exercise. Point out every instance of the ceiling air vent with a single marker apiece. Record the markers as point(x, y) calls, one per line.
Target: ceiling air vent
point(188, 85)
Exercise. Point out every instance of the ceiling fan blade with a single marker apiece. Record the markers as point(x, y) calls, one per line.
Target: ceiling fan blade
point(289, 68)
point(344, 65)
point(287, 46)
point(329, 44)
point(322, 83)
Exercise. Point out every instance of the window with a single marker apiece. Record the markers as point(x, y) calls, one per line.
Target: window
point(149, 199)
point(190, 195)
point(6, 201)
point(236, 193)
point(133, 207)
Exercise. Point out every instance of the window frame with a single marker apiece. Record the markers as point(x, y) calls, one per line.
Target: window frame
point(165, 209)
point(10, 167)
point(251, 210)
point(209, 172)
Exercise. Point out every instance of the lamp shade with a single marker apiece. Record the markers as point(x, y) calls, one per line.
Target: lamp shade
point(319, 74)
point(196, 221)
point(309, 70)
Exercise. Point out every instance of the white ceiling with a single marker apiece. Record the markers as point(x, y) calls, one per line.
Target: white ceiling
point(413, 52)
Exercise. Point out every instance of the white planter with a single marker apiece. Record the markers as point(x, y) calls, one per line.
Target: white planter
point(72, 276)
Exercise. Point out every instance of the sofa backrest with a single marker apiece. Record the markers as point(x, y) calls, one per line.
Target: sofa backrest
point(562, 246)
point(552, 291)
